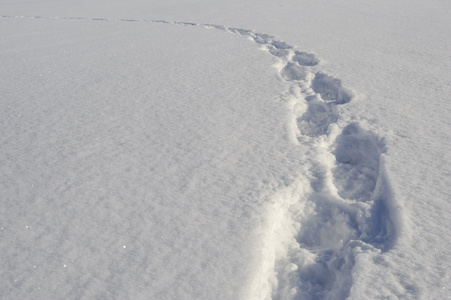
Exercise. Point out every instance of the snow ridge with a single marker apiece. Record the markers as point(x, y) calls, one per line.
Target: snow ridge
point(341, 205)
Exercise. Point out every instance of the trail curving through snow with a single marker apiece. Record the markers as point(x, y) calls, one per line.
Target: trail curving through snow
point(341, 205)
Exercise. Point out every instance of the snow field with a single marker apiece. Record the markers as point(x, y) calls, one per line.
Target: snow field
point(312, 265)
point(127, 173)
point(319, 181)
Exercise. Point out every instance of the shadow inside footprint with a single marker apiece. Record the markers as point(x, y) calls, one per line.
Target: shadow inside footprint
point(316, 120)
point(327, 233)
point(278, 52)
point(281, 45)
point(330, 89)
point(305, 59)
point(245, 32)
point(331, 227)
point(261, 38)
point(357, 154)
point(293, 71)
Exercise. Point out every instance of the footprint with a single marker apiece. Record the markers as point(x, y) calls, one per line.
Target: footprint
point(213, 26)
point(281, 45)
point(316, 120)
point(328, 233)
point(357, 154)
point(305, 59)
point(129, 20)
point(160, 21)
point(188, 24)
point(261, 38)
point(330, 89)
point(246, 32)
point(330, 228)
point(293, 71)
point(278, 52)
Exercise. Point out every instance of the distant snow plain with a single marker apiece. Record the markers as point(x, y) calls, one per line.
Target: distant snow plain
point(225, 150)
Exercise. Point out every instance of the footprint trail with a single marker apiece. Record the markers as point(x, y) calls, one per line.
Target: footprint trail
point(341, 204)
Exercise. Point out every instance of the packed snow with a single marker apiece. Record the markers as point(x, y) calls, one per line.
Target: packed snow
point(225, 150)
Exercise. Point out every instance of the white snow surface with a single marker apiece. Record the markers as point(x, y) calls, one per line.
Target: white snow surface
point(225, 150)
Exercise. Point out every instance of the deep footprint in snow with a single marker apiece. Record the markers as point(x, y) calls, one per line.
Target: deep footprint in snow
point(330, 227)
point(357, 154)
point(281, 45)
point(246, 32)
point(330, 89)
point(262, 38)
point(282, 53)
point(327, 234)
point(293, 71)
point(305, 59)
point(357, 177)
point(316, 120)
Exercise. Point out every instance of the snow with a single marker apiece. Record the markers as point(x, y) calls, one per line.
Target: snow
point(225, 150)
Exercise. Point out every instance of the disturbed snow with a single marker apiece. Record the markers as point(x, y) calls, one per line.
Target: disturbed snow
point(157, 159)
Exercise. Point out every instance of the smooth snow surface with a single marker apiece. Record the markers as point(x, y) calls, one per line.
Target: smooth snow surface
point(207, 150)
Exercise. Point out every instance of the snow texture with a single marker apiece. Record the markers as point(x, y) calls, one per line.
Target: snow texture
point(149, 158)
